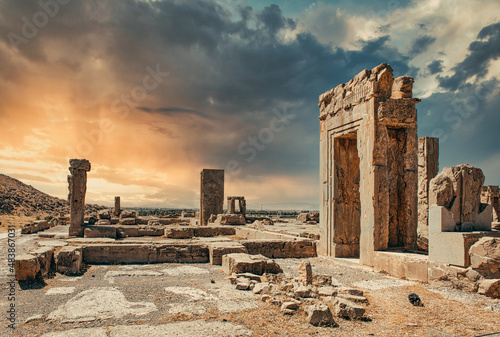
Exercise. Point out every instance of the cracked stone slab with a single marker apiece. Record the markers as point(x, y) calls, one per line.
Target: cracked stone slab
point(99, 303)
point(60, 291)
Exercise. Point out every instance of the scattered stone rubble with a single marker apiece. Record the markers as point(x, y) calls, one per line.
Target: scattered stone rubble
point(310, 218)
point(320, 297)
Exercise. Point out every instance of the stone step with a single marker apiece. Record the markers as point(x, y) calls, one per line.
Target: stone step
point(145, 253)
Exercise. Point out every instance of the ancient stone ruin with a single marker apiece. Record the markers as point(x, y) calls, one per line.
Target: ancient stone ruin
point(368, 143)
point(428, 168)
point(77, 181)
point(211, 195)
point(491, 195)
point(231, 205)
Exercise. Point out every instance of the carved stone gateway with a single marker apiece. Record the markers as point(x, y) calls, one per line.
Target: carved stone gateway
point(368, 166)
point(212, 194)
point(231, 205)
point(77, 181)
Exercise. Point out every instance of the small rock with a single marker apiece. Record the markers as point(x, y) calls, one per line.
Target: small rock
point(265, 298)
point(347, 309)
point(415, 300)
point(327, 291)
point(262, 288)
point(305, 273)
point(353, 298)
point(350, 291)
point(289, 305)
point(490, 288)
point(302, 291)
point(319, 315)
point(321, 279)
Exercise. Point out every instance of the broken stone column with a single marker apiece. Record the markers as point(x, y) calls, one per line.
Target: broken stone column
point(77, 181)
point(212, 194)
point(231, 207)
point(368, 166)
point(428, 168)
point(243, 205)
point(491, 195)
point(457, 218)
point(117, 210)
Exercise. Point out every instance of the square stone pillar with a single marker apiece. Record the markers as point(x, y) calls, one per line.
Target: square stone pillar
point(231, 206)
point(211, 194)
point(428, 168)
point(77, 181)
point(117, 210)
point(368, 166)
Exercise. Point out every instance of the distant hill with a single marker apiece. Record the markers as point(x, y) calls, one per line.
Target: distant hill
point(17, 198)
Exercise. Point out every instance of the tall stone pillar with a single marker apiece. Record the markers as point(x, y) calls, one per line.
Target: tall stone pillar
point(231, 207)
point(243, 205)
point(211, 194)
point(428, 167)
point(117, 206)
point(77, 181)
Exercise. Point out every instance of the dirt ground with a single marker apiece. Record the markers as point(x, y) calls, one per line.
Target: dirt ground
point(17, 221)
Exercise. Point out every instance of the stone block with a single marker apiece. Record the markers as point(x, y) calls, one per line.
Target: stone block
point(45, 257)
point(305, 273)
point(245, 263)
point(272, 248)
point(211, 231)
point(319, 315)
point(103, 222)
point(69, 260)
point(127, 214)
point(347, 309)
point(126, 221)
point(100, 232)
point(104, 214)
point(218, 249)
point(27, 267)
point(179, 232)
point(490, 288)
point(353, 298)
point(230, 220)
point(485, 257)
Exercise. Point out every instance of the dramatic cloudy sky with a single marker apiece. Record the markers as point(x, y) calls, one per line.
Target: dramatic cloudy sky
point(151, 92)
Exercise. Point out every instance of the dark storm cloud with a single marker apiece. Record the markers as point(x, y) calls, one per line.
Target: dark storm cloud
point(233, 70)
point(481, 52)
point(421, 44)
point(435, 67)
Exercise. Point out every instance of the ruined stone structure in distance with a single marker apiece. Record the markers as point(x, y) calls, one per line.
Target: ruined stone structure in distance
point(368, 143)
point(77, 182)
point(211, 194)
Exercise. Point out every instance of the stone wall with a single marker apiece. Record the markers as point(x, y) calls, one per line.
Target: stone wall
point(428, 168)
point(368, 143)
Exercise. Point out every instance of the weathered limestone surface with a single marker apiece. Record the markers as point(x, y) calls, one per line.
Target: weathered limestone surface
point(458, 189)
point(428, 168)
point(146, 253)
point(27, 267)
point(305, 273)
point(244, 263)
point(368, 143)
point(491, 195)
point(210, 231)
point(45, 256)
point(69, 260)
point(218, 249)
point(100, 232)
point(311, 216)
point(348, 309)
point(212, 194)
point(485, 257)
point(77, 181)
point(36, 226)
point(319, 315)
point(275, 248)
point(179, 232)
point(117, 209)
point(229, 219)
